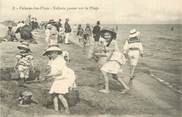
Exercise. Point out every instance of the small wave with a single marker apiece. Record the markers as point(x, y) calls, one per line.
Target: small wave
point(169, 39)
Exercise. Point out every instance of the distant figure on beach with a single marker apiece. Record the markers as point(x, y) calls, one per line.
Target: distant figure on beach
point(28, 19)
point(61, 35)
point(24, 61)
point(25, 31)
point(34, 24)
point(67, 29)
point(133, 49)
point(59, 24)
point(51, 35)
point(20, 24)
point(80, 32)
point(110, 59)
point(48, 33)
point(172, 28)
point(96, 32)
point(11, 36)
point(63, 76)
point(87, 35)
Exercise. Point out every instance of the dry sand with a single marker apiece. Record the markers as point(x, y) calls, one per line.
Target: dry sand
point(147, 97)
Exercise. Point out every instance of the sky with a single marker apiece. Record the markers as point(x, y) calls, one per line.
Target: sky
point(89, 11)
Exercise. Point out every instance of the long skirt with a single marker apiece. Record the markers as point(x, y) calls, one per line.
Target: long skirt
point(62, 83)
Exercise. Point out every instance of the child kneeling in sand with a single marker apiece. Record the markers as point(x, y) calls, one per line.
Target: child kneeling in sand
point(24, 61)
point(64, 77)
point(110, 58)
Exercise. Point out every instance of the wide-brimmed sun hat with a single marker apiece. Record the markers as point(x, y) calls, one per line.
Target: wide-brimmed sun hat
point(24, 45)
point(133, 33)
point(52, 48)
point(110, 30)
point(49, 26)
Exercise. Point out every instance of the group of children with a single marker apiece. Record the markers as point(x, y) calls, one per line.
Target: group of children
point(110, 59)
point(108, 56)
point(84, 35)
point(24, 27)
point(64, 77)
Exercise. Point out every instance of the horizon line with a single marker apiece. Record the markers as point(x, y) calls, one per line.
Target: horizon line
point(117, 23)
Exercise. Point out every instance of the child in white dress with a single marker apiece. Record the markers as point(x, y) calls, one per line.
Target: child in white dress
point(110, 58)
point(64, 77)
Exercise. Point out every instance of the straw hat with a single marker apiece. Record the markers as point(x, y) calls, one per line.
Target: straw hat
point(133, 33)
point(49, 26)
point(110, 30)
point(24, 45)
point(52, 49)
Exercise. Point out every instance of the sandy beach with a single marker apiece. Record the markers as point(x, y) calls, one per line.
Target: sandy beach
point(147, 98)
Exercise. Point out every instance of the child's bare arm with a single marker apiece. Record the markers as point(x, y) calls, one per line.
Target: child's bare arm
point(32, 65)
point(54, 74)
point(15, 67)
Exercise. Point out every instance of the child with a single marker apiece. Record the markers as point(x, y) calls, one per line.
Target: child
point(24, 61)
point(64, 77)
point(87, 35)
point(80, 32)
point(11, 34)
point(133, 49)
point(51, 34)
point(113, 58)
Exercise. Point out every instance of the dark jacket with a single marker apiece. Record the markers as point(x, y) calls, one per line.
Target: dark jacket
point(59, 24)
point(96, 32)
point(67, 27)
point(25, 32)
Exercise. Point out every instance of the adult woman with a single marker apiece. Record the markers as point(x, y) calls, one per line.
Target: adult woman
point(67, 30)
point(111, 58)
point(64, 77)
point(96, 32)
